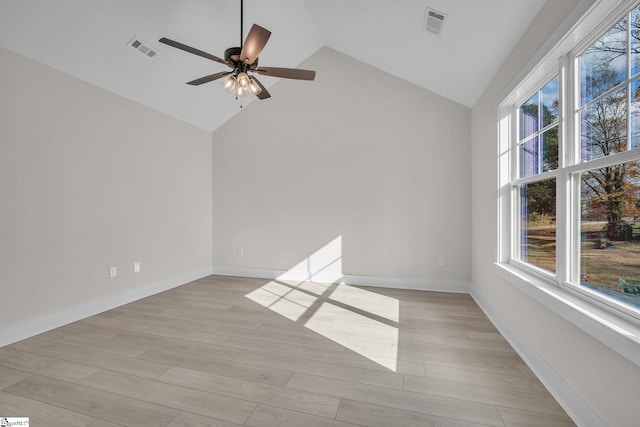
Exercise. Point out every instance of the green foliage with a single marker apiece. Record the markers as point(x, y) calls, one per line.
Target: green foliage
point(540, 199)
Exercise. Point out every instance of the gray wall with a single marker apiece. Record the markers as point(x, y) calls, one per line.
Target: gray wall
point(603, 379)
point(90, 180)
point(358, 153)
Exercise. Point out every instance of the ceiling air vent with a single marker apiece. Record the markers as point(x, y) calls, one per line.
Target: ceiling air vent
point(142, 47)
point(433, 20)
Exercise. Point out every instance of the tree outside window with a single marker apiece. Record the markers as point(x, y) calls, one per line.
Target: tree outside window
point(609, 88)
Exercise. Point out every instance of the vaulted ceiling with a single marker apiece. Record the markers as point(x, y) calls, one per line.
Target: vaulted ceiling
point(88, 39)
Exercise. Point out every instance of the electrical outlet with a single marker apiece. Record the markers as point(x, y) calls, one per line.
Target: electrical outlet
point(113, 272)
point(442, 261)
point(136, 267)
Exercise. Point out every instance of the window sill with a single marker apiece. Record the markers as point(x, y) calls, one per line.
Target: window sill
point(615, 332)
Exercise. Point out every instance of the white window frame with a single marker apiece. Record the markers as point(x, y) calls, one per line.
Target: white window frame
point(600, 316)
point(516, 181)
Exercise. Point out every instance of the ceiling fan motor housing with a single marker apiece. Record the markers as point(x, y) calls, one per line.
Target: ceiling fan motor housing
point(232, 55)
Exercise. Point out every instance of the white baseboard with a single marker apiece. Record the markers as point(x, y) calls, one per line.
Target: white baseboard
point(415, 284)
point(579, 411)
point(258, 273)
point(349, 279)
point(29, 328)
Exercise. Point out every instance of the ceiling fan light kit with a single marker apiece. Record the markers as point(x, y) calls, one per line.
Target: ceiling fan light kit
point(242, 83)
point(243, 60)
point(253, 88)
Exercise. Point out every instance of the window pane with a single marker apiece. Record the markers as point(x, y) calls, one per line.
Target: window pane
point(610, 231)
point(603, 126)
point(529, 158)
point(635, 41)
point(604, 64)
point(538, 224)
point(550, 149)
point(635, 114)
point(550, 102)
point(529, 117)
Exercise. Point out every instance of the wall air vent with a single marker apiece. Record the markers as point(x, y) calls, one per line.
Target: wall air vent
point(142, 47)
point(433, 20)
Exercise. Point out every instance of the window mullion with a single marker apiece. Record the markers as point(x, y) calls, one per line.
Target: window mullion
point(540, 133)
point(535, 178)
point(565, 135)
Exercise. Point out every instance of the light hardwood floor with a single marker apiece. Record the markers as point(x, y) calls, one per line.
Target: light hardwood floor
point(225, 351)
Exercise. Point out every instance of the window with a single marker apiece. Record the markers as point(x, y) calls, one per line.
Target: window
point(570, 184)
point(538, 123)
point(537, 150)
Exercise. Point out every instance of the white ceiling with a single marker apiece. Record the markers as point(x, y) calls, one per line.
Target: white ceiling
point(88, 39)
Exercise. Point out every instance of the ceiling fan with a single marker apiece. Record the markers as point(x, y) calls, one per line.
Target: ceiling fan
point(243, 62)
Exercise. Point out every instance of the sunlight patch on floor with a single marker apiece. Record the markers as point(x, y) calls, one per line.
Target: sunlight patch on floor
point(355, 318)
point(375, 340)
point(373, 303)
point(324, 265)
point(291, 304)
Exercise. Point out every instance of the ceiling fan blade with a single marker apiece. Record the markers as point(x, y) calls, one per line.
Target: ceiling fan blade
point(209, 78)
point(254, 43)
point(287, 73)
point(264, 94)
point(193, 50)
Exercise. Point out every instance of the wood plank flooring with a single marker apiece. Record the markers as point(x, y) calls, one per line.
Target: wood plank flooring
point(228, 351)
